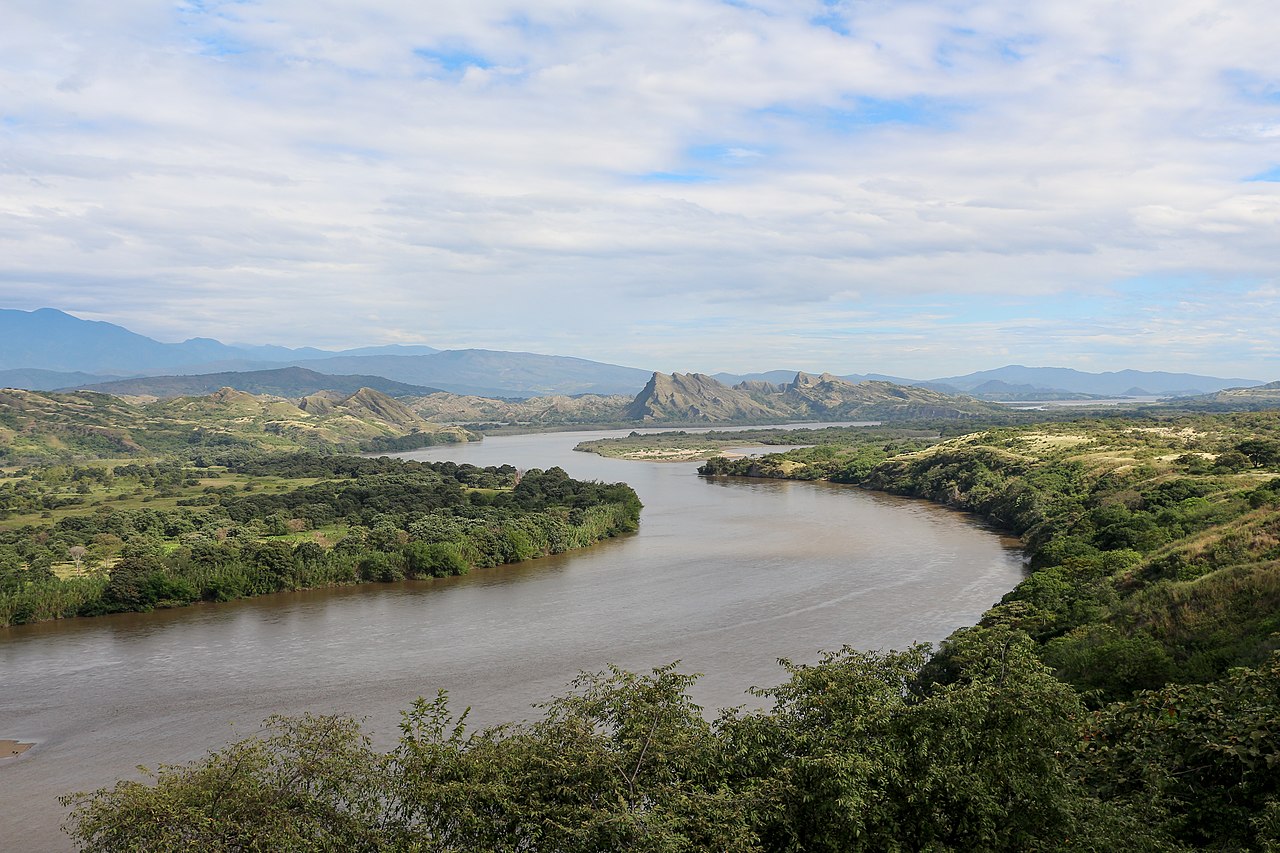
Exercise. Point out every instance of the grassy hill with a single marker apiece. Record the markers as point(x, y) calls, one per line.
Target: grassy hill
point(51, 427)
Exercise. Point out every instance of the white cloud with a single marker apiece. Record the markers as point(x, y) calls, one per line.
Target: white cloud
point(515, 175)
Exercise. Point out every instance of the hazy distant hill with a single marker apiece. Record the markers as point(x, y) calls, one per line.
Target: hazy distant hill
point(1115, 384)
point(1252, 398)
point(52, 340)
point(279, 382)
point(490, 373)
point(694, 397)
point(782, 377)
point(1035, 383)
point(35, 379)
point(49, 339)
point(995, 390)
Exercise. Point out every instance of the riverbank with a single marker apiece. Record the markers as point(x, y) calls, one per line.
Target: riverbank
point(12, 748)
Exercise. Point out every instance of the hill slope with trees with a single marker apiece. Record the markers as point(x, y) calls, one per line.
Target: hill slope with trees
point(60, 427)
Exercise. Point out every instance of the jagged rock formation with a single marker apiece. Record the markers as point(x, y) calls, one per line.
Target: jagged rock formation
point(697, 398)
point(758, 386)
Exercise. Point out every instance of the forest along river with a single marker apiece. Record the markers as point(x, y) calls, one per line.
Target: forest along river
point(725, 575)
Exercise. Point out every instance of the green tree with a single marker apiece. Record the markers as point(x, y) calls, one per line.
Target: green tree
point(1262, 452)
point(306, 784)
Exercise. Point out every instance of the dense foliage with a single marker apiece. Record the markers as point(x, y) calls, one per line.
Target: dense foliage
point(860, 751)
point(287, 522)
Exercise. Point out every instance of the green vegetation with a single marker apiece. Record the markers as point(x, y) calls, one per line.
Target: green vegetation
point(47, 427)
point(831, 442)
point(860, 751)
point(84, 540)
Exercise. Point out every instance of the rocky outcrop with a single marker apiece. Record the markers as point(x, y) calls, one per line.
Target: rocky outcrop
point(693, 397)
point(696, 397)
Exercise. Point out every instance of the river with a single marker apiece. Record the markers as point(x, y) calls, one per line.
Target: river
point(725, 575)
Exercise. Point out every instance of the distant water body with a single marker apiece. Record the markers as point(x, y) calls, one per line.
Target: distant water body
point(725, 575)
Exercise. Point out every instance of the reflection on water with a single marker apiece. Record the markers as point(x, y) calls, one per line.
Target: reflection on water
point(725, 575)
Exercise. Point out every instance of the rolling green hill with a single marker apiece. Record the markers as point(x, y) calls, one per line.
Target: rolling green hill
point(48, 427)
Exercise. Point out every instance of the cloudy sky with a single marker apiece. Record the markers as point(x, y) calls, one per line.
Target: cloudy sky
point(914, 187)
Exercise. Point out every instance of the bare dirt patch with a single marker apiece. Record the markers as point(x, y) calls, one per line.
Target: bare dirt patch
point(13, 748)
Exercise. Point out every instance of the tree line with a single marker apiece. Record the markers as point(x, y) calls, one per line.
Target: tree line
point(389, 519)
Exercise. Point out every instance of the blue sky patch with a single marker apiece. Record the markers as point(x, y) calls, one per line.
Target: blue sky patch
point(864, 113)
point(220, 44)
point(869, 112)
point(726, 153)
point(453, 60)
point(1253, 87)
point(831, 18)
point(1272, 174)
point(674, 178)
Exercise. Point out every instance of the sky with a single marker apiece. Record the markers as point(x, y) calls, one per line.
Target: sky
point(912, 187)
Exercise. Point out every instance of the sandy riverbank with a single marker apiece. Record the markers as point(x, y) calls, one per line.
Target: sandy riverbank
point(13, 748)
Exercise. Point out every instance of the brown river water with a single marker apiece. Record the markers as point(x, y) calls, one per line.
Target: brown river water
point(725, 575)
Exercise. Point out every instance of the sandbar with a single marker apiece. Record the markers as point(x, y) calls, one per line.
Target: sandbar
point(13, 748)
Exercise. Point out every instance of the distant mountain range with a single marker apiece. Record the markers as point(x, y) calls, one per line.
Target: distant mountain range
point(47, 349)
point(1015, 382)
point(280, 382)
point(35, 379)
point(74, 353)
point(782, 377)
point(1121, 383)
point(53, 340)
point(491, 373)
